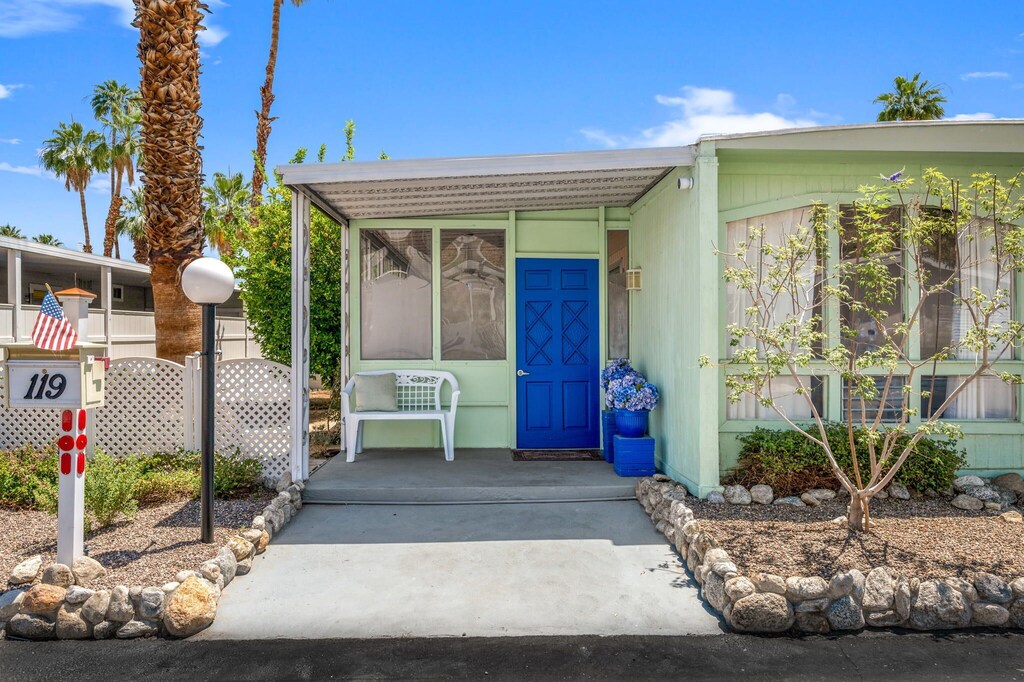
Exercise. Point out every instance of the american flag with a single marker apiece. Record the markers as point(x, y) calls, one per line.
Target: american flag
point(52, 331)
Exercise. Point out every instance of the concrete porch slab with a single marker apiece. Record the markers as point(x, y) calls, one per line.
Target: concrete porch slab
point(419, 476)
point(594, 568)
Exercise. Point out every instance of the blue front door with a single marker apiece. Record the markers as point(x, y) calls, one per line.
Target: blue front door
point(557, 353)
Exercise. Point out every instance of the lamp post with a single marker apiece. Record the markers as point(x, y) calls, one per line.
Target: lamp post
point(208, 282)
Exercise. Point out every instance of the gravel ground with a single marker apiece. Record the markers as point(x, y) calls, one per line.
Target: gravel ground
point(147, 550)
point(921, 537)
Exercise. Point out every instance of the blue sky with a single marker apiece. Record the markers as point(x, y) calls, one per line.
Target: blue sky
point(441, 79)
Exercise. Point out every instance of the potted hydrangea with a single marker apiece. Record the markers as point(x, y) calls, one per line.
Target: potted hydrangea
point(631, 395)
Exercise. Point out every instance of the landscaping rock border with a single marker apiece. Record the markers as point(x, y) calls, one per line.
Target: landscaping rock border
point(851, 600)
point(62, 606)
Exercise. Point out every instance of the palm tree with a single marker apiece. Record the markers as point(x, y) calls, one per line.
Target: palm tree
point(116, 106)
point(171, 163)
point(911, 100)
point(226, 210)
point(47, 239)
point(263, 119)
point(75, 154)
point(131, 222)
point(9, 230)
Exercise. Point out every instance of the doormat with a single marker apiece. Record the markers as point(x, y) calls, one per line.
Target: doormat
point(557, 456)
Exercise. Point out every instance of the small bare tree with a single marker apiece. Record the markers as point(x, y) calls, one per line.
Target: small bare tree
point(960, 247)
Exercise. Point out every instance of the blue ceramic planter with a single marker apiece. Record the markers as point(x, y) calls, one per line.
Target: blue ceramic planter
point(609, 428)
point(632, 423)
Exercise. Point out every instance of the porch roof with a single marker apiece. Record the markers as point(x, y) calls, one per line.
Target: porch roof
point(483, 184)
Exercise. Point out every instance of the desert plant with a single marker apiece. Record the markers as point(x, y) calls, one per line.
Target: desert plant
point(110, 484)
point(960, 245)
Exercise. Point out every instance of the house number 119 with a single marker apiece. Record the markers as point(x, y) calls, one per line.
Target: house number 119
point(56, 383)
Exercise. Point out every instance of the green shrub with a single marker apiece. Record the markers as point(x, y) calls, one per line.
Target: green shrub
point(157, 487)
point(28, 478)
point(110, 488)
point(236, 476)
point(163, 472)
point(792, 464)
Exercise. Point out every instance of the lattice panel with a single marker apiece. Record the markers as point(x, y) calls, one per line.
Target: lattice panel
point(144, 407)
point(19, 427)
point(416, 392)
point(253, 412)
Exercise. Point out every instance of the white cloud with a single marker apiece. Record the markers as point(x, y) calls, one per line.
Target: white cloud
point(980, 116)
point(10, 140)
point(979, 75)
point(37, 171)
point(19, 18)
point(8, 90)
point(705, 111)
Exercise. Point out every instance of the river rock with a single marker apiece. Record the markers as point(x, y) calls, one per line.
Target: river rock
point(228, 564)
point(846, 583)
point(714, 590)
point(252, 535)
point(87, 570)
point(983, 493)
point(10, 603)
point(898, 491)
point(764, 612)
point(1017, 587)
point(120, 609)
point(902, 598)
point(240, 547)
point(95, 608)
point(31, 626)
point(791, 501)
point(736, 494)
point(283, 482)
point(879, 590)
point(261, 546)
point(881, 495)
point(883, 619)
point(43, 599)
point(1012, 516)
point(715, 497)
point(70, 624)
point(136, 628)
point(26, 571)
point(243, 567)
point(1017, 614)
point(992, 588)
point(986, 614)
point(962, 482)
point(762, 494)
point(822, 494)
point(937, 605)
point(739, 587)
point(770, 583)
point(59, 575)
point(968, 503)
point(845, 614)
point(190, 608)
point(814, 623)
point(77, 594)
point(258, 523)
point(803, 589)
point(965, 587)
point(151, 603)
point(810, 500)
point(106, 629)
point(1010, 481)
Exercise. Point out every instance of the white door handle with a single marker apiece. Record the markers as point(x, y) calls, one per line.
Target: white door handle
point(521, 373)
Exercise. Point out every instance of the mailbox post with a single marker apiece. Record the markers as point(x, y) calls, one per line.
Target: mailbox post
point(71, 381)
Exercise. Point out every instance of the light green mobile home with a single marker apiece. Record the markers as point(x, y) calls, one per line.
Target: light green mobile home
point(433, 247)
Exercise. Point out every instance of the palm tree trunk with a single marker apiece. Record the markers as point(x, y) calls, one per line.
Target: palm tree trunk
point(87, 247)
point(171, 163)
point(110, 232)
point(263, 119)
point(141, 254)
point(117, 249)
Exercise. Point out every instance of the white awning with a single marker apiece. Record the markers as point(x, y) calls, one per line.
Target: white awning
point(483, 184)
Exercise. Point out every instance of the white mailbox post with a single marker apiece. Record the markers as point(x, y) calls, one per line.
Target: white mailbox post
point(71, 381)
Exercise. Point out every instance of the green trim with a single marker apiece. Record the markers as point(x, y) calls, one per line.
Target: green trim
point(510, 323)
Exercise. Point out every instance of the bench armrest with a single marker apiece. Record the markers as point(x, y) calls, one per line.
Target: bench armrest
point(346, 397)
point(455, 401)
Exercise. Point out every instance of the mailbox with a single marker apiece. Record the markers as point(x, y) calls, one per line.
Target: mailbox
point(71, 379)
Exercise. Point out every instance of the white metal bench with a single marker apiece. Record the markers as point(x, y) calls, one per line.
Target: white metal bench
point(419, 397)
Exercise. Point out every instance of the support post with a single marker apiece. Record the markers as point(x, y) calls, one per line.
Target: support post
point(209, 370)
point(107, 301)
point(300, 336)
point(71, 486)
point(14, 291)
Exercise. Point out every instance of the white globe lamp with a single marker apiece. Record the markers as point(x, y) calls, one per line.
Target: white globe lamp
point(208, 281)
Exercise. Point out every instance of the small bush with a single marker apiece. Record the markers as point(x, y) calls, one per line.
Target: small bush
point(28, 479)
point(157, 487)
point(110, 489)
point(236, 476)
point(792, 464)
point(164, 472)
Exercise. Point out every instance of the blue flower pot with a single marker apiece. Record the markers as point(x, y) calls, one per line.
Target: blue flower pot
point(609, 428)
point(632, 423)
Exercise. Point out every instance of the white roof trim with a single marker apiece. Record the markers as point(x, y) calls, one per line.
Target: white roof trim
point(60, 253)
point(483, 166)
point(863, 126)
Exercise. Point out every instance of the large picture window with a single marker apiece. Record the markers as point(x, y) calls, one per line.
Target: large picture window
point(984, 398)
point(472, 295)
point(784, 392)
point(395, 295)
point(618, 296)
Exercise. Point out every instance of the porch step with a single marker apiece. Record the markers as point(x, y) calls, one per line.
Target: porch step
point(475, 477)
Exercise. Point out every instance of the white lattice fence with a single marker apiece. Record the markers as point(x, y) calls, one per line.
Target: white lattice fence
point(144, 408)
point(254, 412)
point(19, 427)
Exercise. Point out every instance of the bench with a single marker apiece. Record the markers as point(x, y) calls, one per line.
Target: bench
point(419, 397)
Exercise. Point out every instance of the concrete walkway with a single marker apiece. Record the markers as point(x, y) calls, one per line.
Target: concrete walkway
point(592, 568)
point(419, 476)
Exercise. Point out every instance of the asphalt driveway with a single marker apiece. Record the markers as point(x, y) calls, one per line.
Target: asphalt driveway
point(478, 570)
